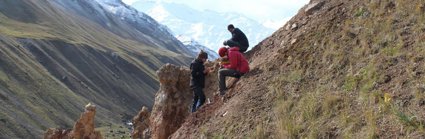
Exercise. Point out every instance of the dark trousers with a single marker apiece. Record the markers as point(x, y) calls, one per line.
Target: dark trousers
point(222, 73)
point(198, 98)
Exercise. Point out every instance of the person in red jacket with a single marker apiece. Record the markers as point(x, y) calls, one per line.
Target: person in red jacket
point(236, 67)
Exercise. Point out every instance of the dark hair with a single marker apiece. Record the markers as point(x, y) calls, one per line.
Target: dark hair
point(230, 26)
point(202, 55)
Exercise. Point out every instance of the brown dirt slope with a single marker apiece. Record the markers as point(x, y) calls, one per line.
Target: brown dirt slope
point(338, 69)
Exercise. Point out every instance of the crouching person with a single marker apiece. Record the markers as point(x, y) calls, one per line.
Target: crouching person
point(236, 66)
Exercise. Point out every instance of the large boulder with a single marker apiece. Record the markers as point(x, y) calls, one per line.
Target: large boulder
point(172, 101)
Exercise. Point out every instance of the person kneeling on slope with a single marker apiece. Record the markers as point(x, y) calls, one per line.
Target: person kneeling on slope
point(236, 66)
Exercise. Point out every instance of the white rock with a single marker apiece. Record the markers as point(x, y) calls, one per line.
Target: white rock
point(293, 41)
point(294, 26)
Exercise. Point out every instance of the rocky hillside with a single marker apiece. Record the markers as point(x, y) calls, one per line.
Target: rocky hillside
point(56, 56)
point(338, 69)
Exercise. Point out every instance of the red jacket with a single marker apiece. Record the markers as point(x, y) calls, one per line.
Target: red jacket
point(237, 61)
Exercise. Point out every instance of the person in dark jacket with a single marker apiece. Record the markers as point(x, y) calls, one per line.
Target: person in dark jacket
point(197, 80)
point(236, 67)
point(238, 39)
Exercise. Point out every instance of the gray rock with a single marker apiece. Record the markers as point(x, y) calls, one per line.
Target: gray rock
point(288, 27)
point(313, 7)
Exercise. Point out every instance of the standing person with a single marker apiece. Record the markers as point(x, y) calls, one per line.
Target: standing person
point(197, 80)
point(236, 67)
point(238, 39)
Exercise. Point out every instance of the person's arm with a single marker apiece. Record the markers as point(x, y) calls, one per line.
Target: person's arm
point(236, 35)
point(207, 70)
point(233, 60)
point(196, 70)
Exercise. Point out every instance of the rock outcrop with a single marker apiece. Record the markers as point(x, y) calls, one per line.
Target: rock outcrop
point(172, 101)
point(83, 128)
point(141, 125)
point(314, 6)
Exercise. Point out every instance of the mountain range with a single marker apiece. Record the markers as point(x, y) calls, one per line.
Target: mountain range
point(337, 69)
point(57, 56)
point(208, 28)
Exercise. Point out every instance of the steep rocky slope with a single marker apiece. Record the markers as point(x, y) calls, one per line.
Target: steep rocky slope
point(338, 69)
point(58, 55)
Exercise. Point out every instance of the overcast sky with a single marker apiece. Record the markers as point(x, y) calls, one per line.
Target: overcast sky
point(261, 10)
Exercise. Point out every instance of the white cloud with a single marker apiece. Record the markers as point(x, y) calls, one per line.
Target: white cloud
point(259, 10)
point(270, 11)
point(129, 2)
point(276, 24)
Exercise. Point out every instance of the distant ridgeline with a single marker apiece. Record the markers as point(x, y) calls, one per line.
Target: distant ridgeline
point(57, 56)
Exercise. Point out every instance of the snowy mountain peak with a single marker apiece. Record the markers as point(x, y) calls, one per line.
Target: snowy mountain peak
point(207, 27)
point(112, 2)
point(126, 12)
point(196, 47)
point(117, 7)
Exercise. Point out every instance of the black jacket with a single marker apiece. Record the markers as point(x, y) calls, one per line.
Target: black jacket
point(239, 36)
point(197, 73)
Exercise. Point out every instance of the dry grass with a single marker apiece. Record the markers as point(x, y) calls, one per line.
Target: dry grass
point(368, 99)
point(259, 132)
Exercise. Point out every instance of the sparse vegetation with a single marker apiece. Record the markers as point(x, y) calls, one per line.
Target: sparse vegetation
point(360, 12)
point(260, 132)
point(370, 77)
point(345, 77)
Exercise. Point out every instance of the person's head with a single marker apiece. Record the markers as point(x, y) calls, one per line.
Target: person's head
point(222, 51)
point(230, 27)
point(202, 56)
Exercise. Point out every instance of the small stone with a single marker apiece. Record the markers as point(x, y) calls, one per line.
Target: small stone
point(293, 41)
point(288, 27)
point(294, 26)
point(224, 114)
point(282, 43)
